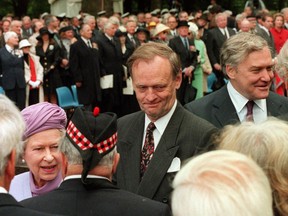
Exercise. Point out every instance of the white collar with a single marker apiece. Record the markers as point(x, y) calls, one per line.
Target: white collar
point(239, 101)
point(3, 190)
point(85, 40)
point(9, 48)
point(162, 122)
point(88, 176)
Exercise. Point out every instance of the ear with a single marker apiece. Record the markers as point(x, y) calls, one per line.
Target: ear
point(10, 169)
point(64, 165)
point(230, 71)
point(178, 79)
point(115, 162)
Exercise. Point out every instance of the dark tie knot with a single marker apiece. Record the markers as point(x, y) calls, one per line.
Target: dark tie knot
point(151, 127)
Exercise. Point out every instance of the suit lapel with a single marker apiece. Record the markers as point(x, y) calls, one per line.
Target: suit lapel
point(181, 45)
point(163, 156)
point(131, 152)
point(223, 109)
point(273, 107)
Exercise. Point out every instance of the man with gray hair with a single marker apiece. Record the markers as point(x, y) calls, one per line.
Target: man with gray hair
point(111, 56)
point(222, 183)
point(246, 61)
point(12, 127)
point(90, 150)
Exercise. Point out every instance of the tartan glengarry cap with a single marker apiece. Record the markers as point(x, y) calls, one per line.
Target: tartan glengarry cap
point(94, 135)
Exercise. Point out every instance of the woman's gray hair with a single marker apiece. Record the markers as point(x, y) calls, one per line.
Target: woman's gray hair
point(12, 127)
point(267, 144)
point(238, 47)
point(282, 62)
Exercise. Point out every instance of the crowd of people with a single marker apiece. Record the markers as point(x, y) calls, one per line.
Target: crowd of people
point(92, 53)
point(176, 116)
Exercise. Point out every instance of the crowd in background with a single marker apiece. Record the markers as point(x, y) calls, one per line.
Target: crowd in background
point(207, 83)
point(50, 38)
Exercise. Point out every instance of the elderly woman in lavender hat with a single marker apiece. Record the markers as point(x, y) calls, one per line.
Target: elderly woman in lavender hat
point(45, 129)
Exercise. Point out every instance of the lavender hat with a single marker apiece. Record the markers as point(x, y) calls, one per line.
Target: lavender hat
point(43, 116)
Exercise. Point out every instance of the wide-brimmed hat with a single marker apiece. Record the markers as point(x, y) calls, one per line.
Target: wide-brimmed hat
point(94, 135)
point(24, 43)
point(121, 31)
point(142, 29)
point(160, 28)
point(65, 28)
point(182, 23)
point(44, 31)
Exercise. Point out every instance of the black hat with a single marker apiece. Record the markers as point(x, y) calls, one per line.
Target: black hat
point(94, 135)
point(65, 28)
point(120, 33)
point(43, 31)
point(142, 29)
point(182, 23)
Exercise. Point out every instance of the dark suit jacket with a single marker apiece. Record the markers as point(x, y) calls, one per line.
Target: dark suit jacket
point(215, 40)
point(111, 57)
point(187, 58)
point(218, 108)
point(85, 67)
point(100, 198)
point(185, 136)
point(10, 207)
point(270, 40)
point(12, 70)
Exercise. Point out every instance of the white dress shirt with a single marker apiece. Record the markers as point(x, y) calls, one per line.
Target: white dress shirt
point(160, 124)
point(239, 102)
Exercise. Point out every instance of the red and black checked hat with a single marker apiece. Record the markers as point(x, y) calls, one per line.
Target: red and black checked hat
point(94, 134)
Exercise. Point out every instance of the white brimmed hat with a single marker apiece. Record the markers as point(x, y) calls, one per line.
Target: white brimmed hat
point(160, 28)
point(24, 43)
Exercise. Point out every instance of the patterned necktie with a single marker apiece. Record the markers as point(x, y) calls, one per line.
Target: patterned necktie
point(249, 115)
point(148, 148)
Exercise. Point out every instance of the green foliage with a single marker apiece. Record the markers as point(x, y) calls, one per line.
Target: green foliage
point(35, 7)
point(6, 7)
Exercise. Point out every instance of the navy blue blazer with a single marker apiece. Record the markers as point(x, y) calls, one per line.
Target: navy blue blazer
point(12, 70)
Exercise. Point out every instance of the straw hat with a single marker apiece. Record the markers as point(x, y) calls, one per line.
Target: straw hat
point(160, 28)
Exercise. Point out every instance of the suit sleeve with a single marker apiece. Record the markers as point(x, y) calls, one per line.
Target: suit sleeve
point(74, 64)
point(210, 48)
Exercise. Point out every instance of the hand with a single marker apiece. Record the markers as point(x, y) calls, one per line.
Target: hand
point(37, 83)
point(32, 84)
point(217, 66)
point(188, 71)
point(64, 62)
point(78, 84)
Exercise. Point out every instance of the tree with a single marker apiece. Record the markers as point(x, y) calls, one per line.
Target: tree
point(20, 8)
